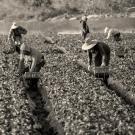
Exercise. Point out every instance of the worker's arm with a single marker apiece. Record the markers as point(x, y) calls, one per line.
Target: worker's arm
point(103, 60)
point(33, 65)
point(109, 34)
point(10, 35)
point(103, 53)
point(89, 59)
point(21, 64)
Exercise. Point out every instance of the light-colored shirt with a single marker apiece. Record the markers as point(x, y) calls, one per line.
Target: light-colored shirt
point(33, 53)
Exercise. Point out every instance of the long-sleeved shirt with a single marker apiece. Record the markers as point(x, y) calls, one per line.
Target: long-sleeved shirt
point(15, 35)
point(102, 54)
point(35, 55)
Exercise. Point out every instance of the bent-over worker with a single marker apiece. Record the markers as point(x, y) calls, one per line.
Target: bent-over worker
point(37, 59)
point(101, 51)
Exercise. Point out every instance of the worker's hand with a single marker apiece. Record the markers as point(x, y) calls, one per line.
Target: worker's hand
point(105, 38)
point(21, 71)
point(9, 41)
point(103, 64)
point(89, 67)
point(18, 74)
point(84, 31)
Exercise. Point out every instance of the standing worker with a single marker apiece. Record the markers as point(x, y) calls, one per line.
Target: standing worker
point(85, 28)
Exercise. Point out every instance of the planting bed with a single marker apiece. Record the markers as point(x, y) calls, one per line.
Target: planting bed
point(81, 104)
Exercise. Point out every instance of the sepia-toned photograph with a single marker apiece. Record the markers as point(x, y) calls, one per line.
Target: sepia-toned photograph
point(67, 67)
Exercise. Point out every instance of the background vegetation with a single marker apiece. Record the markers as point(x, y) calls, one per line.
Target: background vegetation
point(43, 9)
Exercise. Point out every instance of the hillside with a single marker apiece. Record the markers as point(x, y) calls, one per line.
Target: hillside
point(42, 9)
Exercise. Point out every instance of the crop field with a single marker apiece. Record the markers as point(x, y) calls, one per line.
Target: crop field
point(81, 104)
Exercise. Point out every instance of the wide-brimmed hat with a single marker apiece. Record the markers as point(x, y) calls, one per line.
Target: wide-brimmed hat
point(14, 25)
point(89, 44)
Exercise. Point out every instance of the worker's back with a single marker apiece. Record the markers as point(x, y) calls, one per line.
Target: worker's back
point(103, 48)
point(34, 53)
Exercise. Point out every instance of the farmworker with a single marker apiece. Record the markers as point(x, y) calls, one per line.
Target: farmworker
point(119, 49)
point(85, 28)
point(101, 51)
point(113, 33)
point(15, 36)
point(36, 59)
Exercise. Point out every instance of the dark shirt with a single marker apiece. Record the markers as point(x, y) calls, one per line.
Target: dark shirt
point(85, 27)
point(19, 31)
point(16, 32)
point(101, 49)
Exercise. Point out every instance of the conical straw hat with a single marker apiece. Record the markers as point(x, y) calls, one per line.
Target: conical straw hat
point(89, 44)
